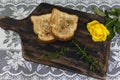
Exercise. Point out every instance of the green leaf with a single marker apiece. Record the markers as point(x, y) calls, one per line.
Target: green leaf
point(55, 56)
point(117, 11)
point(98, 11)
point(119, 18)
point(112, 33)
point(110, 26)
point(82, 57)
point(109, 22)
point(117, 27)
point(107, 19)
point(112, 12)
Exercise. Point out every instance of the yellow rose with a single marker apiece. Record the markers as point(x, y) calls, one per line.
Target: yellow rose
point(98, 31)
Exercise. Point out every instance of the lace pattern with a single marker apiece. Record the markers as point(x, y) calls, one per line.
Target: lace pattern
point(14, 67)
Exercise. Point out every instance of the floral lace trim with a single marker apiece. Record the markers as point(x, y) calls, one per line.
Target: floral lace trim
point(48, 76)
point(114, 62)
point(34, 2)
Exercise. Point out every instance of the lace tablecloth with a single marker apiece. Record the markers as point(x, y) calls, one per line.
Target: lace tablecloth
point(14, 67)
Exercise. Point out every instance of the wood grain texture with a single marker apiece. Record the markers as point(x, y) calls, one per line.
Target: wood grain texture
point(33, 49)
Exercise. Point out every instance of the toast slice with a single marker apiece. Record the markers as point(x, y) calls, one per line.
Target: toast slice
point(42, 28)
point(63, 24)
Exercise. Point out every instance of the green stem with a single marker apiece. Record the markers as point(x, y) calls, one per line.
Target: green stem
point(92, 63)
point(110, 22)
point(78, 47)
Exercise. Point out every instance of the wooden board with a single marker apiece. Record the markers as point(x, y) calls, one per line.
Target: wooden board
point(33, 49)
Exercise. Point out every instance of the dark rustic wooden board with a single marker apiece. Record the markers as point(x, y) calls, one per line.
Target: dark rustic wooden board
point(33, 49)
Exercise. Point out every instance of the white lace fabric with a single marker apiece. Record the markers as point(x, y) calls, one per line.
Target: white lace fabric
point(14, 67)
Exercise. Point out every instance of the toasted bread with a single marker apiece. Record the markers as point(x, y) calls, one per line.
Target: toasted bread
point(63, 24)
point(42, 28)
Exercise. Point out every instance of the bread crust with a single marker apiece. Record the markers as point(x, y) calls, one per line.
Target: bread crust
point(57, 25)
point(42, 28)
point(63, 25)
